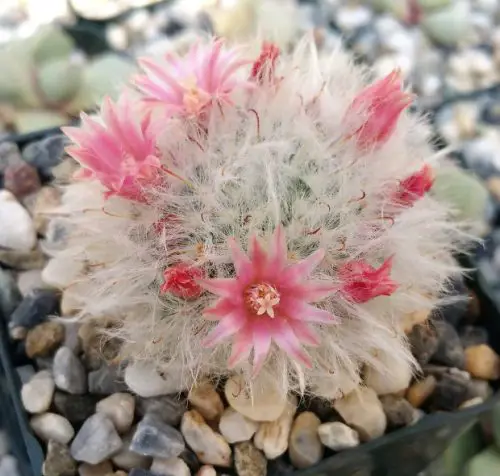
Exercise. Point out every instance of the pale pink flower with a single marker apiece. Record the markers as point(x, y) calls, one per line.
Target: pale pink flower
point(362, 282)
point(378, 108)
point(268, 301)
point(189, 85)
point(181, 281)
point(414, 187)
point(120, 152)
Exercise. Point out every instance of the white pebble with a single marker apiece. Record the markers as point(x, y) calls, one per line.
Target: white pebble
point(17, 231)
point(337, 436)
point(50, 426)
point(144, 380)
point(60, 272)
point(204, 398)
point(170, 467)
point(37, 394)
point(350, 18)
point(119, 407)
point(234, 427)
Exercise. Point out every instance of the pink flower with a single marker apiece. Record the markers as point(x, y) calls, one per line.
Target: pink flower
point(120, 152)
point(378, 107)
point(267, 301)
point(362, 282)
point(264, 67)
point(188, 86)
point(414, 187)
point(181, 281)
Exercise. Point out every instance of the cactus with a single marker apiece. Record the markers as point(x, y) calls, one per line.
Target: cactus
point(259, 214)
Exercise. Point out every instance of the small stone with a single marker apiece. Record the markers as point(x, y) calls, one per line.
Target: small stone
point(71, 304)
point(102, 469)
point(206, 470)
point(44, 339)
point(23, 260)
point(46, 201)
point(154, 438)
point(69, 373)
point(385, 383)
point(9, 154)
point(76, 408)
point(144, 380)
point(234, 427)
point(363, 411)
point(248, 460)
point(450, 351)
point(189, 457)
point(264, 401)
point(21, 179)
point(210, 447)
point(481, 361)
point(25, 373)
point(205, 399)
point(58, 461)
point(421, 390)
point(27, 281)
point(10, 297)
point(96, 441)
point(414, 318)
point(424, 342)
point(119, 407)
point(106, 381)
point(137, 472)
point(398, 411)
point(471, 403)
point(170, 467)
point(61, 272)
point(17, 231)
point(71, 339)
point(50, 426)
point(272, 437)
point(337, 436)
point(305, 448)
point(9, 466)
point(128, 459)
point(45, 154)
point(63, 172)
point(34, 309)
point(473, 335)
point(168, 408)
point(451, 391)
point(36, 395)
point(97, 346)
point(479, 388)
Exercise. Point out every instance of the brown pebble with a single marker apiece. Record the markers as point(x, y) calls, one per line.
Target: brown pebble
point(46, 200)
point(305, 448)
point(413, 318)
point(101, 469)
point(44, 339)
point(21, 179)
point(97, 346)
point(248, 460)
point(483, 362)
point(420, 391)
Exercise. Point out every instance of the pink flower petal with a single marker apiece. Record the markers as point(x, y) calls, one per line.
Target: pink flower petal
point(224, 287)
point(301, 311)
point(262, 343)
point(242, 346)
point(242, 264)
point(305, 267)
point(224, 329)
point(304, 332)
point(285, 338)
point(221, 308)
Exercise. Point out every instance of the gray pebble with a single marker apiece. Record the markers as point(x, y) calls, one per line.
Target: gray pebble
point(106, 381)
point(9, 466)
point(399, 411)
point(450, 351)
point(154, 438)
point(69, 373)
point(58, 461)
point(168, 408)
point(76, 408)
point(45, 154)
point(473, 335)
point(35, 308)
point(424, 342)
point(96, 441)
point(9, 154)
point(141, 472)
point(10, 297)
point(451, 391)
point(25, 373)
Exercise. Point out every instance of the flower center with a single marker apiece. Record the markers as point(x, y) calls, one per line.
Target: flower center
point(261, 299)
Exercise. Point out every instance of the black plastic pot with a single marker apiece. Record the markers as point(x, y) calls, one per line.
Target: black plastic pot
point(404, 452)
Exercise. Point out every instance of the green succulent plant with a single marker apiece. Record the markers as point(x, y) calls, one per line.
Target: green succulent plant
point(45, 81)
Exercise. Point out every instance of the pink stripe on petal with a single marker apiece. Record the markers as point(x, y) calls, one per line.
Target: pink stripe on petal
point(313, 291)
point(300, 311)
point(304, 332)
point(278, 255)
point(225, 287)
point(258, 256)
point(161, 73)
point(261, 345)
point(220, 309)
point(242, 263)
point(226, 328)
point(304, 268)
point(242, 346)
point(286, 339)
